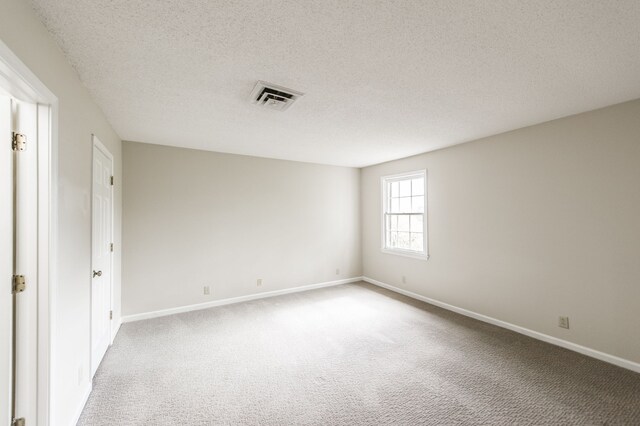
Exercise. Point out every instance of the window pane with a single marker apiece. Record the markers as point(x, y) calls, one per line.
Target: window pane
point(393, 222)
point(393, 241)
point(405, 205)
point(403, 223)
point(394, 207)
point(416, 223)
point(417, 204)
point(395, 191)
point(404, 241)
point(417, 186)
point(405, 188)
point(417, 241)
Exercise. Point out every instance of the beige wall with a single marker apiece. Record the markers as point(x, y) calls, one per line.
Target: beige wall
point(195, 218)
point(529, 225)
point(79, 117)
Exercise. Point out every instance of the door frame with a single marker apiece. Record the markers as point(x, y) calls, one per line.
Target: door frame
point(97, 144)
point(20, 82)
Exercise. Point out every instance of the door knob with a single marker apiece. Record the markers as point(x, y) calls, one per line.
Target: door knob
point(97, 274)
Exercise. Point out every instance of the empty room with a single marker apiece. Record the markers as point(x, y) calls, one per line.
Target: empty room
point(280, 212)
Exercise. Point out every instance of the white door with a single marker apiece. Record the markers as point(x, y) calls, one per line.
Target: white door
point(18, 243)
point(6, 259)
point(102, 216)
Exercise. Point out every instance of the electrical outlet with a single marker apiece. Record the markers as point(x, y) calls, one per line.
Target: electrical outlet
point(563, 322)
point(207, 290)
point(337, 271)
point(259, 283)
point(404, 279)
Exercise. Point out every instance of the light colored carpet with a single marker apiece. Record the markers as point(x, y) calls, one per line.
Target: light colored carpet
point(348, 355)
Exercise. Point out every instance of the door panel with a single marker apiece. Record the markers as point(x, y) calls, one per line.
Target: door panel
point(25, 119)
point(6, 259)
point(19, 255)
point(101, 255)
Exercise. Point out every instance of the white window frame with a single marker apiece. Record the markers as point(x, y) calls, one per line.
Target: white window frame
point(384, 208)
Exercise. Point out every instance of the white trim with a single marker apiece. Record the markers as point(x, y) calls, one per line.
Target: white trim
point(404, 175)
point(602, 356)
point(220, 302)
point(45, 264)
point(53, 261)
point(26, 85)
point(97, 143)
point(83, 402)
point(405, 253)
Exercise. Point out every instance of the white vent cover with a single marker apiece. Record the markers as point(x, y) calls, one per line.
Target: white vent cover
point(272, 96)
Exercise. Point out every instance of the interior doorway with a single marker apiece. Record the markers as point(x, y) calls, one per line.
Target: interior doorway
point(101, 252)
point(27, 182)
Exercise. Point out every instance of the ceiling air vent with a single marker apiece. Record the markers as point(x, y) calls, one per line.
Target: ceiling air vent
point(272, 96)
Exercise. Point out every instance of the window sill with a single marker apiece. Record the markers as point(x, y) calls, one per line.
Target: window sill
point(409, 254)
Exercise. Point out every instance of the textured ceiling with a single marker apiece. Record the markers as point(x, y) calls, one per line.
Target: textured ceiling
point(383, 79)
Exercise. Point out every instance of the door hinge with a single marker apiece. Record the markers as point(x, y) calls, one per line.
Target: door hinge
point(18, 422)
point(111, 180)
point(18, 142)
point(111, 247)
point(110, 315)
point(19, 284)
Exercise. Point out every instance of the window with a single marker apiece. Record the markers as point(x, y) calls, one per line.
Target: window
point(404, 229)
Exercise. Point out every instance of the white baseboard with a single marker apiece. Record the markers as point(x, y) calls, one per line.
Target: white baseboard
point(198, 306)
point(83, 402)
point(602, 356)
